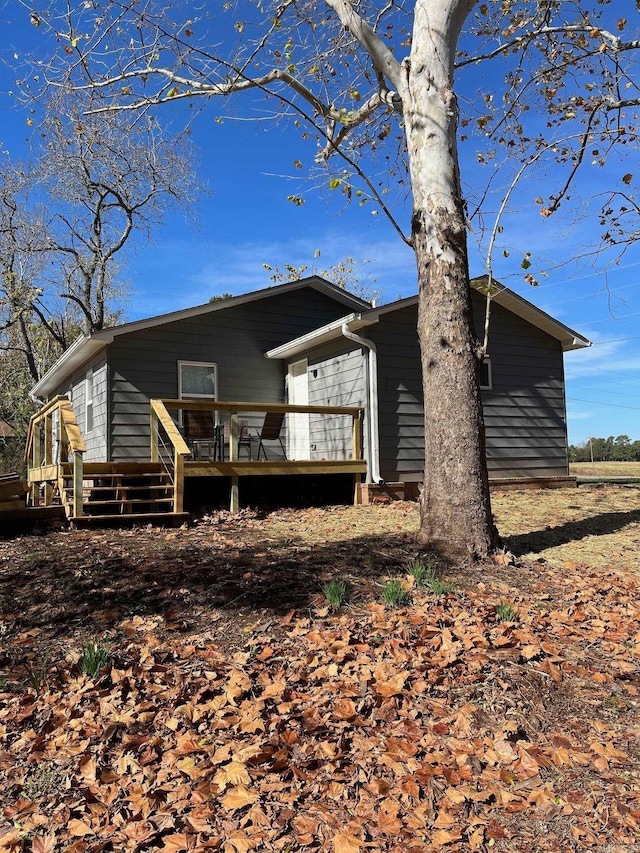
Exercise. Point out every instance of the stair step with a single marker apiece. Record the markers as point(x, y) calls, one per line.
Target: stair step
point(120, 502)
point(142, 476)
point(127, 469)
point(148, 517)
point(123, 488)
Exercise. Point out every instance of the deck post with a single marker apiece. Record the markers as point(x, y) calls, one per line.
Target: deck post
point(77, 483)
point(36, 462)
point(357, 453)
point(64, 443)
point(48, 456)
point(234, 501)
point(178, 482)
point(154, 435)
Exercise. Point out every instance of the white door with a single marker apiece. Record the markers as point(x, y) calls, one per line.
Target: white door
point(299, 438)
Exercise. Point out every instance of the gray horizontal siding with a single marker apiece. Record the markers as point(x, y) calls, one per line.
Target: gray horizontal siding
point(96, 438)
point(144, 364)
point(336, 378)
point(524, 412)
point(400, 402)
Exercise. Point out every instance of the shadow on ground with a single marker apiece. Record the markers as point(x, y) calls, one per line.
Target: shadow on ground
point(87, 582)
point(572, 531)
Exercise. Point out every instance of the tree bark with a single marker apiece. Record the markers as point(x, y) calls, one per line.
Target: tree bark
point(456, 514)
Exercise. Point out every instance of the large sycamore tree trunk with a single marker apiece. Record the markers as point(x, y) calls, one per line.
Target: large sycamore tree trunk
point(456, 514)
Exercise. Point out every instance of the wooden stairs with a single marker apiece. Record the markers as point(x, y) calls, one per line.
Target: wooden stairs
point(121, 492)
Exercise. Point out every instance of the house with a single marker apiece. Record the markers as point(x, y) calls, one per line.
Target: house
point(310, 345)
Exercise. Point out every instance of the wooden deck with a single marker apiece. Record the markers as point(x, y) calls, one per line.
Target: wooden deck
point(234, 468)
point(154, 490)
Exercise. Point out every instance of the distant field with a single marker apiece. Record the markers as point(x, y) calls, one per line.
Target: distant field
point(605, 469)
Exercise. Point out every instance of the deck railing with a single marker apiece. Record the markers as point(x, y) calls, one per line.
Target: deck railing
point(44, 465)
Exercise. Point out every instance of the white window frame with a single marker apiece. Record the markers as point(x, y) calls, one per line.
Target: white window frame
point(182, 396)
point(489, 386)
point(212, 364)
point(89, 393)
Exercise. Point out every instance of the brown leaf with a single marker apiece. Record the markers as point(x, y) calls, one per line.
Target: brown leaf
point(444, 820)
point(552, 670)
point(44, 844)
point(238, 842)
point(455, 796)
point(233, 773)
point(276, 688)
point(344, 709)
point(393, 686)
point(265, 654)
point(238, 798)
point(79, 828)
point(88, 770)
point(503, 558)
point(178, 842)
point(444, 836)
point(8, 837)
point(346, 843)
point(505, 750)
point(190, 768)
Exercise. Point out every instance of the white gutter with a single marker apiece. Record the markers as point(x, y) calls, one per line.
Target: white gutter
point(373, 445)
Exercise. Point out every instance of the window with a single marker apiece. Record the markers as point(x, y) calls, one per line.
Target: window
point(88, 401)
point(485, 374)
point(197, 380)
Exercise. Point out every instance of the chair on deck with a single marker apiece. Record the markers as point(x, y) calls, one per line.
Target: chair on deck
point(203, 436)
point(271, 431)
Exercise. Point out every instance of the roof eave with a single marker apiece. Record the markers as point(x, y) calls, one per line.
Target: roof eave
point(318, 337)
point(80, 351)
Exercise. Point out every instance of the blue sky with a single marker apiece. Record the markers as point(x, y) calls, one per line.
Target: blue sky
point(246, 221)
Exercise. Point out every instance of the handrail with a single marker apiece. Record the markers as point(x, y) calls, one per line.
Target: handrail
point(68, 420)
point(48, 407)
point(159, 414)
point(172, 431)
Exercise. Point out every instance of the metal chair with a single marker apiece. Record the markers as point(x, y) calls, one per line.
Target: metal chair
point(203, 436)
point(271, 431)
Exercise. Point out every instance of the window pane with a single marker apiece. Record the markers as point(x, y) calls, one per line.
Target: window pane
point(198, 379)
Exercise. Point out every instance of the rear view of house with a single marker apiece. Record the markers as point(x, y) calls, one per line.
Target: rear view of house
point(339, 381)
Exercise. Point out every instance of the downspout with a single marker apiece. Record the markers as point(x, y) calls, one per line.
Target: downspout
point(373, 446)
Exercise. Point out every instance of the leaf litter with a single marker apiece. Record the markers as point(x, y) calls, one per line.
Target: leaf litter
point(238, 711)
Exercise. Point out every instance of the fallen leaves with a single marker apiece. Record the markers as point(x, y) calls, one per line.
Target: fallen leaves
point(430, 726)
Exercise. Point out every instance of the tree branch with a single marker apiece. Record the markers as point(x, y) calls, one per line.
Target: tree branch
point(615, 43)
point(383, 60)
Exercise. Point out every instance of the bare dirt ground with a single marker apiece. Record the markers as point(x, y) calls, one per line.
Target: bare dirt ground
point(237, 711)
point(595, 525)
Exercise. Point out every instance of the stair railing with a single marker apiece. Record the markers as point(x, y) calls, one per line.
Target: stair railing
point(42, 468)
point(161, 417)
